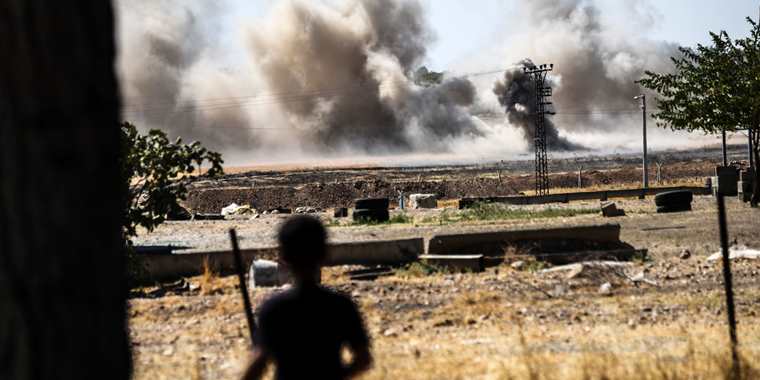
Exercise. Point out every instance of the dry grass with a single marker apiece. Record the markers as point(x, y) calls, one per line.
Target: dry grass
point(208, 278)
point(695, 182)
point(448, 203)
point(677, 351)
point(485, 335)
point(474, 331)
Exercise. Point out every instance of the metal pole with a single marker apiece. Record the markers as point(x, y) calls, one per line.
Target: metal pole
point(728, 283)
point(725, 152)
point(645, 161)
point(644, 119)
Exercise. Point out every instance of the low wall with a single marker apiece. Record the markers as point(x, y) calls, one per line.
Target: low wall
point(493, 243)
point(579, 196)
point(162, 267)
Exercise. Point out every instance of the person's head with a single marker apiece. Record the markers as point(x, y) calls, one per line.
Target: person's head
point(303, 246)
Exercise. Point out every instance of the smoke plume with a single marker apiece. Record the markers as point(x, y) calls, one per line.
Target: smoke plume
point(595, 70)
point(358, 65)
point(517, 94)
point(315, 78)
point(163, 51)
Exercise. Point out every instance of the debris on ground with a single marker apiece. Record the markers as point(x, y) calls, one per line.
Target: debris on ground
point(279, 210)
point(205, 216)
point(518, 265)
point(610, 210)
point(306, 210)
point(673, 201)
point(605, 289)
point(179, 214)
point(685, 254)
point(235, 209)
point(340, 212)
point(736, 253)
point(420, 201)
point(583, 268)
point(265, 273)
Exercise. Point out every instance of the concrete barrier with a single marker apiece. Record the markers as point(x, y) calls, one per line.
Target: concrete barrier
point(163, 267)
point(604, 195)
point(746, 182)
point(493, 243)
point(382, 252)
point(726, 181)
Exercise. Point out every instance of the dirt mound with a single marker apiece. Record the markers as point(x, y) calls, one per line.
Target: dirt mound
point(341, 194)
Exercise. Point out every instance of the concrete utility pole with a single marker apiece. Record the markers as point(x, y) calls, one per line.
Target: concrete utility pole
point(750, 148)
point(643, 99)
point(725, 149)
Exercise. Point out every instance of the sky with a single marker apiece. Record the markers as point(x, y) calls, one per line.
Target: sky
point(462, 28)
point(483, 37)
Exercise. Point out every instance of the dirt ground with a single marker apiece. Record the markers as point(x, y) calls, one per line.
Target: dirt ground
point(503, 323)
point(324, 188)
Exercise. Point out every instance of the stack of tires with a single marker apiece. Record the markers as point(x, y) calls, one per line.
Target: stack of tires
point(674, 201)
point(371, 210)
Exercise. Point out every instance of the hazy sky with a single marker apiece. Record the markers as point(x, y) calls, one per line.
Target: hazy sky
point(476, 36)
point(462, 28)
point(686, 22)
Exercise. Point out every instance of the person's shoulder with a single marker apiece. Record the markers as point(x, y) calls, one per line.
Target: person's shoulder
point(338, 298)
point(276, 301)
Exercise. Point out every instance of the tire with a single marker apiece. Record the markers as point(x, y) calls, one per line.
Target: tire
point(674, 208)
point(372, 204)
point(677, 197)
point(371, 215)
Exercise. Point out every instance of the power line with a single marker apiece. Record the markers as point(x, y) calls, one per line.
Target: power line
point(277, 97)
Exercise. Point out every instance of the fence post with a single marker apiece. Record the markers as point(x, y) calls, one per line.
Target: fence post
point(728, 285)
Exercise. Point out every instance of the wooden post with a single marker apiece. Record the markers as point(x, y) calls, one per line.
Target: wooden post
point(659, 172)
point(240, 269)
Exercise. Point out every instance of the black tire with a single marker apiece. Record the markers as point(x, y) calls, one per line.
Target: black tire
point(674, 208)
point(371, 215)
point(677, 197)
point(372, 204)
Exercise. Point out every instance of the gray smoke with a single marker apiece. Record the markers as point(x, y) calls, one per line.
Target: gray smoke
point(595, 70)
point(165, 42)
point(328, 78)
point(517, 94)
point(358, 65)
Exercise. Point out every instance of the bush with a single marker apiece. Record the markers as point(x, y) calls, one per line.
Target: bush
point(156, 171)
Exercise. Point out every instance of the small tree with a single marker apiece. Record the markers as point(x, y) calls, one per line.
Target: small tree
point(157, 169)
point(713, 89)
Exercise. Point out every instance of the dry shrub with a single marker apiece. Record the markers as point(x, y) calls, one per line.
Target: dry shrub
point(208, 278)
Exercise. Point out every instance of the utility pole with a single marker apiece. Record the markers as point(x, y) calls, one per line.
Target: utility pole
point(725, 150)
point(750, 148)
point(543, 95)
point(643, 99)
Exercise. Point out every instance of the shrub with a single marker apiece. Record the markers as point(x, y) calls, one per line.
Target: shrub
point(156, 171)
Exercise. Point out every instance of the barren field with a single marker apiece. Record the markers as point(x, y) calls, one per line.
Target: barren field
point(659, 318)
point(504, 323)
point(323, 188)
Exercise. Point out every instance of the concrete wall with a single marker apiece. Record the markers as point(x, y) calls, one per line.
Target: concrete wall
point(163, 267)
point(160, 267)
point(579, 196)
point(492, 243)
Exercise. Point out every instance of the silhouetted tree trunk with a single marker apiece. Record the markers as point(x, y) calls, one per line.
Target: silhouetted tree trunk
point(62, 287)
